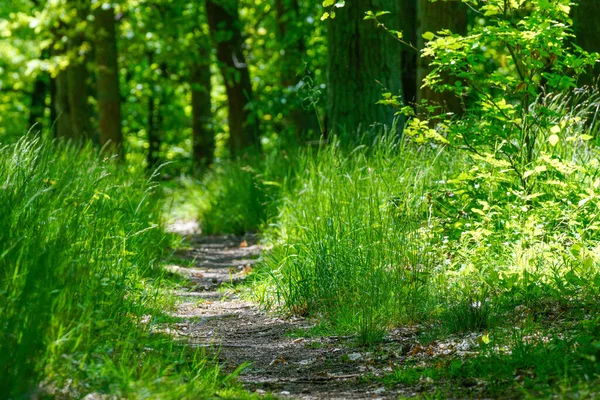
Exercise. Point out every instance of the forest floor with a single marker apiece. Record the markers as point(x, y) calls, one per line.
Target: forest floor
point(283, 358)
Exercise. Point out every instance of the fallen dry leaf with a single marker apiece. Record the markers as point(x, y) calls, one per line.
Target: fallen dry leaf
point(243, 244)
point(278, 360)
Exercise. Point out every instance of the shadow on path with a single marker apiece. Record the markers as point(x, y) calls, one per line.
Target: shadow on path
point(290, 367)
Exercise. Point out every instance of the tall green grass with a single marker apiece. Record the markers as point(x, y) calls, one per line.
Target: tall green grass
point(353, 241)
point(243, 195)
point(80, 246)
point(387, 233)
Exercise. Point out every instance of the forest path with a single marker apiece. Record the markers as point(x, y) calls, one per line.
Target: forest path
point(213, 315)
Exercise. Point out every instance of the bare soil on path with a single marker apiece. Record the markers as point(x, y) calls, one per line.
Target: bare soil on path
point(213, 315)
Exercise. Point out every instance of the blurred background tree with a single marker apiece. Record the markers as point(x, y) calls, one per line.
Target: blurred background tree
point(197, 82)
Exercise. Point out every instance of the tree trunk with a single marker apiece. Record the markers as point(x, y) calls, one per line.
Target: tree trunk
point(153, 156)
point(587, 31)
point(53, 100)
point(292, 43)
point(433, 17)
point(38, 97)
point(71, 104)
point(203, 135)
point(107, 81)
point(64, 126)
point(77, 75)
point(38, 102)
point(225, 29)
point(363, 62)
point(410, 56)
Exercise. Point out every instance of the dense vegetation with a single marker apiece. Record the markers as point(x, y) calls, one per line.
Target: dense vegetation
point(432, 164)
point(81, 246)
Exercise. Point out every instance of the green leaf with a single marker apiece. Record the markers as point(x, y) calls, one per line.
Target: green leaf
point(328, 3)
point(553, 140)
point(397, 34)
point(583, 201)
point(428, 36)
point(324, 16)
point(484, 339)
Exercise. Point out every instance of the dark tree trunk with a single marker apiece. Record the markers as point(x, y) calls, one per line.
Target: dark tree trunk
point(433, 17)
point(363, 62)
point(38, 102)
point(586, 24)
point(64, 125)
point(153, 133)
point(38, 97)
point(292, 43)
point(53, 114)
point(77, 75)
point(153, 156)
point(203, 135)
point(408, 27)
point(225, 29)
point(72, 107)
point(40, 91)
point(107, 81)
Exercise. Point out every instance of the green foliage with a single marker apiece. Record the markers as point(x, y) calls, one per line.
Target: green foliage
point(508, 115)
point(81, 243)
point(158, 44)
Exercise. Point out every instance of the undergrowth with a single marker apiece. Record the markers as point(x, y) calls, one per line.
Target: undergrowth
point(242, 195)
point(81, 244)
point(370, 237)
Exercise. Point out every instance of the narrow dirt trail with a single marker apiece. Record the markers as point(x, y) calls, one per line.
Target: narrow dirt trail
point(215, 317)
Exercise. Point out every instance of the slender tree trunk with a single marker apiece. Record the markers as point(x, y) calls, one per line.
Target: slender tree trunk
point(153, 156)
point(433, 17)
point(203, 135)
point(77, 75)
point(294, 48)
point(107, 81)
point(53, 100)
point(38, 97)
point(586, 25)
point(71, 104)
point(38, 102)
point(363, 62)
point(64, 125)
point(225, 28)
point(410, 56)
